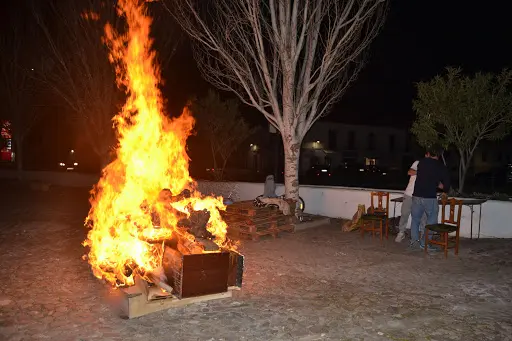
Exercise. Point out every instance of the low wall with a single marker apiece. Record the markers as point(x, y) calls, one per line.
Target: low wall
point(341, 202)
point(334, 202)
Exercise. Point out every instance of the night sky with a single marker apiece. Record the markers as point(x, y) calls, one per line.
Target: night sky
point(419, 39)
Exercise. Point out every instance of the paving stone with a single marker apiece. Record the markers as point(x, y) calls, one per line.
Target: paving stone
point(316, 284)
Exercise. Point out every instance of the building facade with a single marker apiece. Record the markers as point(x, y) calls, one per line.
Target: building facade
point(491, 155)
point(338, 144)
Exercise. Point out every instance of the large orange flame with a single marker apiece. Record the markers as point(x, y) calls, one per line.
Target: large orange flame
point(151, 156)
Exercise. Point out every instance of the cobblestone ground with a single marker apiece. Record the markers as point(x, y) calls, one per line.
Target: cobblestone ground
point(318, 284)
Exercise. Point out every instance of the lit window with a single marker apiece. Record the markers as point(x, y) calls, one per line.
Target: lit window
point(370, 162)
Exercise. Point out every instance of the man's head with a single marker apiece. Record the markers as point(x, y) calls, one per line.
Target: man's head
point(433, 152)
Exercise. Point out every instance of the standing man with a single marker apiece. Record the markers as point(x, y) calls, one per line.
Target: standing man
point(431, 174)
point(407, 204)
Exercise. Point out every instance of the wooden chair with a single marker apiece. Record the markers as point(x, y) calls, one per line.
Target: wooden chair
point(447, 225)
point(378, 214)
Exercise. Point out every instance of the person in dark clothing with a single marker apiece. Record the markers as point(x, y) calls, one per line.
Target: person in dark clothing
point(430, 176)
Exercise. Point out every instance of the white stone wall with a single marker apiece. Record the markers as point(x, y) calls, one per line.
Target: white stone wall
point(341, 202)
point(333, 202)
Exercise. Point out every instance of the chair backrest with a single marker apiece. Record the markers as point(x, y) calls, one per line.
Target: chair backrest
point(454, 211)
point(382, 201)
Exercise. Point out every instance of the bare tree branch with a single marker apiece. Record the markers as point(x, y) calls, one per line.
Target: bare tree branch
point(76, 63)
point(291, 60)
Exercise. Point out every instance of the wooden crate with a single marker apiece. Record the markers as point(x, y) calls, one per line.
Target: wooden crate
point(196, 274)
point(219, 274)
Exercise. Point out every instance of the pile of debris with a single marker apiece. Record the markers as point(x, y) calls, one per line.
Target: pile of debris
point(193, 224)
point(248, 221)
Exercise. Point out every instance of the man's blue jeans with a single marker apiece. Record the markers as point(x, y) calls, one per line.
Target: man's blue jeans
point(420, 206)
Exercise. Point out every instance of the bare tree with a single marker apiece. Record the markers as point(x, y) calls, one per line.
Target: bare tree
point(77, 67)
point(17, 88)
point(222, 125)
point(291, 60)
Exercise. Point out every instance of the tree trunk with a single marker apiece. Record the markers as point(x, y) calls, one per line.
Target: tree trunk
point(217, 170)
point(442, 157)
point(465, 161)
point(221, 171)
point(214, 158)
point(462, 178)
point(291, 166)
point(275, 138)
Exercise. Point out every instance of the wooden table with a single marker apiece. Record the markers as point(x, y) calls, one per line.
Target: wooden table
point(466, 202)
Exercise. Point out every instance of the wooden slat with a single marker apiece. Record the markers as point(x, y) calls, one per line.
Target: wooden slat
point(138, 305)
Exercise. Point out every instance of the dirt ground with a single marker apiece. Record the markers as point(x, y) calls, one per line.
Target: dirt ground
point(316, 284)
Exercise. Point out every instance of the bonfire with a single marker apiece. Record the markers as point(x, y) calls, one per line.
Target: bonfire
point(145, 200)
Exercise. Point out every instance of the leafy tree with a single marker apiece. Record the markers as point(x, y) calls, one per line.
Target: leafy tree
point(460, 111)
point(221, 123)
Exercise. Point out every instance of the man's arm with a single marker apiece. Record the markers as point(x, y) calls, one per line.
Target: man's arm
point(412, 170)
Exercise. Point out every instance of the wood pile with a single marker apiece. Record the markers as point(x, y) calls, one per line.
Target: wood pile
point(248, 221)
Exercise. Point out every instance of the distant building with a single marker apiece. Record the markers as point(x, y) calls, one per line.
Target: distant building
point(492, 155)
point(331, 144)
point(337, 144)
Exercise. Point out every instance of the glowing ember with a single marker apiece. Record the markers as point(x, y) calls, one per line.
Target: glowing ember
point(130, 217)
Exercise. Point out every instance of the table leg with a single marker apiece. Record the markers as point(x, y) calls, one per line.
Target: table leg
point(479, 221)
point(472, 210)
point(394, 216)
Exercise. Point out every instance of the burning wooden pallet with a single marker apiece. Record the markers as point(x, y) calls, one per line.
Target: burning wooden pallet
point(135, 302)
point(191, 278)
point(248, 221)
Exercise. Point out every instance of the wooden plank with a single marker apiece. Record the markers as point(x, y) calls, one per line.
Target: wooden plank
point(255, 235)
point(286, 228)
point(258, 219)
point(247, 225)
point(138, 305)
point(247, 208)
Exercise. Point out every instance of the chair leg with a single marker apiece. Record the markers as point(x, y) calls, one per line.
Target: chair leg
point(457, 242)
point(387, 228)
point(362, 229)
point(381, 226)
point(445, 235)
point(373, 229)
point(426, 240)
